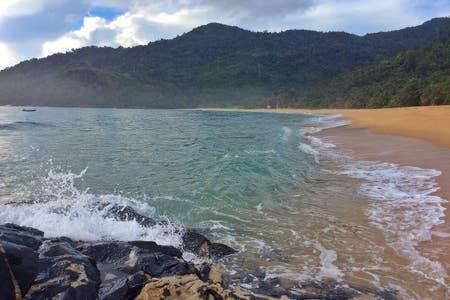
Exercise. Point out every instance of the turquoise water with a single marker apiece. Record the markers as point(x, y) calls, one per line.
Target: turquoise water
point(289, 202)
point(205, 162)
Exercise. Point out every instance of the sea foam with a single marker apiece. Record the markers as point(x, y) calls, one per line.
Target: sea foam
point(65, 211)
point(403, 205)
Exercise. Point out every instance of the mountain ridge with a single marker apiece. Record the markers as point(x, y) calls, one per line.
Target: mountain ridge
point(212, 65)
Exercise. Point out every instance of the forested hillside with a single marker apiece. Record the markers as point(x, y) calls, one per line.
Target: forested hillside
point(223, 66)
point(411, 78)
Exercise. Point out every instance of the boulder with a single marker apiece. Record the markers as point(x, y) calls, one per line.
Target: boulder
point(123, 288)
point(106, 252)
point(217, 250)
point(154, 247)
point(18, 259)
point(182, 287)
point(64, 273)
point(19, 235)
point(200, 245)
point(126, 213)
point(190, 287)
point(21, 264)
point(157, 264)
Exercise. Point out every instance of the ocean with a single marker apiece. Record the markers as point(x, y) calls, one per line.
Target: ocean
point(293, 204)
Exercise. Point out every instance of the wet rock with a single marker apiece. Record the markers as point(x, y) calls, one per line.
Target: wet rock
point(126, 213)
point(195, 242)
point(157, 264)
point(19, 235)
point(198, 244)
point(7, 283)
point(124, 288)
point(64, 273)
point(217, 250)
point(23, 264)
point(137, 256)
point(126, 266)
point(18, 260)
point(154, 247)
point(107, 252)
point(113, 289)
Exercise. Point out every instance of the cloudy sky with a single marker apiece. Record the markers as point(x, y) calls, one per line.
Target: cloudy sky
point(37, 28)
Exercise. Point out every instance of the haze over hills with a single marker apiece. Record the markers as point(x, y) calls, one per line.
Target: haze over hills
point(221, 66)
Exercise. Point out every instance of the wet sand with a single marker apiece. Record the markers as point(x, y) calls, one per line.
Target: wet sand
point(406, 151)
point(412, 136)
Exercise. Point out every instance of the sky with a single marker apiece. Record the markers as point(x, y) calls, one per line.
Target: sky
point(38, 28)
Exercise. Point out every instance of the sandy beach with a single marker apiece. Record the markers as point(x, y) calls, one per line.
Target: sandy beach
point(410, 136)
point(430, 123)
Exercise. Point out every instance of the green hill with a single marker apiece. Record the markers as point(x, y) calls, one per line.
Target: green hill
point(411, 78)
point(222, 66)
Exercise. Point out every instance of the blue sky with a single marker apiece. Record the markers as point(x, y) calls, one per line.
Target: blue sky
point(37, 28)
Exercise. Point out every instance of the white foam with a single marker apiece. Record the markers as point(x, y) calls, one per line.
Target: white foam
point(65, 211)
point(286, 134)
point(328, 269)
point(256, 152)
point(305, 148)
point(331, 121)
point(404, 208)
point(319, 143)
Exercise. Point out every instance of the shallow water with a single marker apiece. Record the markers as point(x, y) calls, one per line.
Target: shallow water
point(293, 205)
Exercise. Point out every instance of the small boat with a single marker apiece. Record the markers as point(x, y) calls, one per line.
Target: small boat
point(28, 109)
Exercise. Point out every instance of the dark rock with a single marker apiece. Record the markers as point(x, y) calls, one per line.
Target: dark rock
point(123, 288)
point(154, 247)
point(64, 273)
point(19, 235)
point(18, 258)
point(217, 250)
point(118, 260)
point(158, 264)
point(7, 288)
point(135, 283)
point(126, 213)
point(195, 242)
point(200, 245)
point(107, 252)
point(113, 290)
point(24, 230)
point(22, 262)
point(203, 271)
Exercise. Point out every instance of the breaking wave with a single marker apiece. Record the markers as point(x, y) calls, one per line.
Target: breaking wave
point(64, 210)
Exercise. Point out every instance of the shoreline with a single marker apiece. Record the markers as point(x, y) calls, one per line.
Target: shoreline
point(430, 123)
point(412, 136)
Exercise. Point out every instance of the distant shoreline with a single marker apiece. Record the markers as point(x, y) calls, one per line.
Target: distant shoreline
point(430, 123)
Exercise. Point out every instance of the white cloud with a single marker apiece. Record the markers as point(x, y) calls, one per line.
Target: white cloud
point(7, 58)
point(358, 16)
point(11, 8)
point(145, 20)
point(132, 28)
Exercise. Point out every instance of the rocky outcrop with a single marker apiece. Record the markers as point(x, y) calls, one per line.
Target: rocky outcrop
point(64, 273)
point(34, 267)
